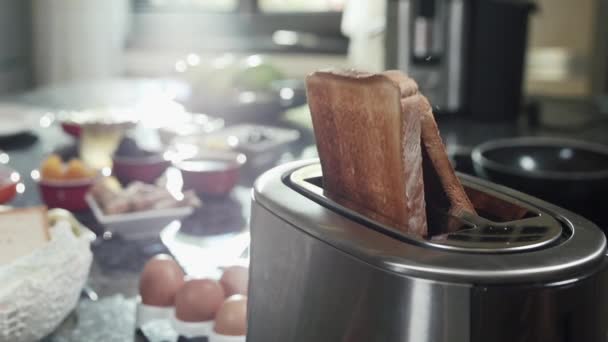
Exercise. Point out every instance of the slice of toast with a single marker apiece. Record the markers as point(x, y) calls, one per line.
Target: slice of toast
point(369, 146)
point(445, 196)
point(443, 190)
point(22, 231)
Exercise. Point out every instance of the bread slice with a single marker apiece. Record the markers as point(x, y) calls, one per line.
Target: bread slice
point(443, 190)
point(369, 146)
point(445, 196)
point(22, 231)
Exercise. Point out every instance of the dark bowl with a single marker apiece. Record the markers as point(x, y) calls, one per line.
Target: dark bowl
point(571, 173)
point(66, 194)
point(71, 128)
point(212, 174)
point(144, 169)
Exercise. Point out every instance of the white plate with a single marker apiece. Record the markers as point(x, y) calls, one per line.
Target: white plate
point(138, 225)
point(16, 119)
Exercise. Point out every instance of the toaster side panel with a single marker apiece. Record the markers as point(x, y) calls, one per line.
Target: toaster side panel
point(303, 289)
point(572, 310)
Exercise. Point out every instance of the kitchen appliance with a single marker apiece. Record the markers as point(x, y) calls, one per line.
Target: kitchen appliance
point(570, 173)
point(321, 272)
point(466, 55)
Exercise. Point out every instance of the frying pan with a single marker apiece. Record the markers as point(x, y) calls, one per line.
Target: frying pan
point(570, 173)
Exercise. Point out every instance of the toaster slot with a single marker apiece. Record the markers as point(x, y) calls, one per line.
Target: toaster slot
point(504, 223)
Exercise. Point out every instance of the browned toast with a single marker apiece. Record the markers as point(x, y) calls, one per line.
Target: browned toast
point(442, 188)
point(369, 146)
point(443, 191)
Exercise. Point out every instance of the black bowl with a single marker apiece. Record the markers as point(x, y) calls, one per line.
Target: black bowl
point(570, 173)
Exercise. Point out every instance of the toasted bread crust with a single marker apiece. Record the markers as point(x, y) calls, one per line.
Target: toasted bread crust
point(442, 188)
point(369, 146)
point(381, 152)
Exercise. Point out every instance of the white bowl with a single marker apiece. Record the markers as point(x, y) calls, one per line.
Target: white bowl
point(139, 224)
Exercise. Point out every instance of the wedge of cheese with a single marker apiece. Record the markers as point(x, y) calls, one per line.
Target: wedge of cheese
point(22, 231)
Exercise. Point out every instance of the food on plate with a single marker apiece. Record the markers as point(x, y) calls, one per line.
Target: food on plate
point(231, 319)
point(380, 150)
point(76, 169)
point(106, 189)
point(53, 168)
point(114, 199)
point(22, 231)
point(160, 280)
point(198, 300)
point(235, 280)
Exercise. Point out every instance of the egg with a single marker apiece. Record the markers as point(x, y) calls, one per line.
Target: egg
point(231, 319)
point(235, 280)
point(160, 280)
point(198, 300)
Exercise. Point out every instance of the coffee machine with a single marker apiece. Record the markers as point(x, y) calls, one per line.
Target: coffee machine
point(321, 272)
point(466, 55)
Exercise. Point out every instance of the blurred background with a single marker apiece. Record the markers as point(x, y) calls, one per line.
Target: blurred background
point(54, 41)
point(206, 95)
point(201, 72)
point(186, 68)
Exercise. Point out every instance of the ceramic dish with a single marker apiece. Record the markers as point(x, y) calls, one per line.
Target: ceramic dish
point(138, 225)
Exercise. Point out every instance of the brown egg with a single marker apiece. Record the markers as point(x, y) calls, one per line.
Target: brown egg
point(160, 280)
point(231, 319)
point(234, 280)
point(198, 300)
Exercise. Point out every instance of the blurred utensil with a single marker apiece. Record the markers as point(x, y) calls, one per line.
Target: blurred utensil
point(252, 105)
point(190, 124)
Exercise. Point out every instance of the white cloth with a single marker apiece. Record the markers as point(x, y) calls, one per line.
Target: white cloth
point(38, 291)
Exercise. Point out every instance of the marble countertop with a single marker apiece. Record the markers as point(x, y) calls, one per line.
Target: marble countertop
point(107, 308)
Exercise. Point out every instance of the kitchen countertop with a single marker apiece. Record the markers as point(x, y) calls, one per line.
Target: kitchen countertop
point(107, 311)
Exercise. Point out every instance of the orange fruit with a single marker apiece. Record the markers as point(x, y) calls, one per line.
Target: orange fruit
point(52, 168)
point(77, 170)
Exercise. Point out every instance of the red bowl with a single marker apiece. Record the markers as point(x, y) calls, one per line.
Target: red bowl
point(212, 174)
point(71, 128)
point(67, 194)
point(143, 169)
point(9, 179)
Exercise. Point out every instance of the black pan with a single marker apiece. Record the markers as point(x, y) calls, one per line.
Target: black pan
point(570, 173)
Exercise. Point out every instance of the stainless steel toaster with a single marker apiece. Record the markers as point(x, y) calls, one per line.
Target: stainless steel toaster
point(321, 272)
